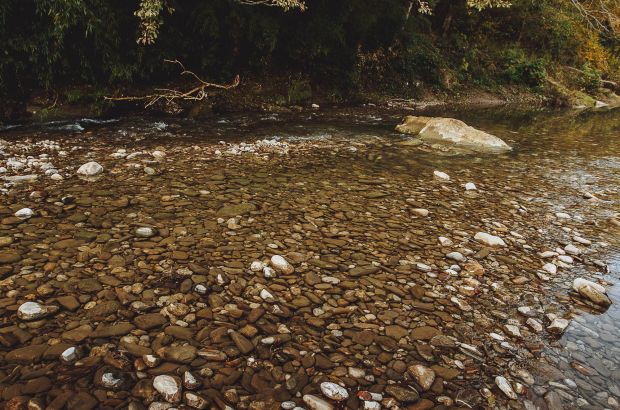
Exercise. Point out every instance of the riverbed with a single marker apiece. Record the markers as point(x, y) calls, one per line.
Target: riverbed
point(158, 288)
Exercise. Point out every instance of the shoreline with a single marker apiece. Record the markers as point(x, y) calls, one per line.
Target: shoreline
point(254, 98)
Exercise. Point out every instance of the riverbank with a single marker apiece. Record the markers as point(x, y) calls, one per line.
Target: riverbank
point(279, 96)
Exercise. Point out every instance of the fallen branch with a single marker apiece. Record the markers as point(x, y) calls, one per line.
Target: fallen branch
point(169, 95)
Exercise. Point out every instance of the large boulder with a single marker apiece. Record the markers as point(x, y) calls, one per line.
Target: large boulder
point(452, 132)
point(413, 124)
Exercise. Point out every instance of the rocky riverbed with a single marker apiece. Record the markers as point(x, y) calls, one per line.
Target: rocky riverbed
point(315, 262)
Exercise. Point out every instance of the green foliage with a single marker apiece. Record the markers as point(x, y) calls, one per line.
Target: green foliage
point(520, 69)
point(345, 46)
point(299, 91)
point(591, 79)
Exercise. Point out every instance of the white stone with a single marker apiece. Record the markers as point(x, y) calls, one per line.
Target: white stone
point(371, 405)
point(441, 175)
point(33, 311)
point(470, 186)
point(356, 372)
point(443, 241)
point(592, 291)
point(90, 169)
point(565, 259)
point(423, 267)
point(534, 324)
point(334, 391)
point(145, 232)
point(548, 254)
point(70, 355)
point(451, 132)
point(316, 403)
point(195, 401)
point(190, 381)
point(159, 155)
point(269, 272)
point(489, 240)
point(169, 387)
point(582, 241)
point(110, 381)
point(281, 265)
point(558, 325)
point(572, 249)
point(24, 213)
point(562, 215)
point(288, 405)
point(457, 256)
point(420, 211)
point(550, 268)
point(257, 266)
point(512, 330)
point(505, 387)
point(265, 295)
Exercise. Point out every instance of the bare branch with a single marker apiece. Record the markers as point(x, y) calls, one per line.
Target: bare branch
point(195, 93)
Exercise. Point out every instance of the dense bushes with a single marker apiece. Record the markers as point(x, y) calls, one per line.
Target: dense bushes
point(349, 45)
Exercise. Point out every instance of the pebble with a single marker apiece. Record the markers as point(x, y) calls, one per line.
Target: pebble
point(423, 375)
point(24, 213)
point(334, 391)
point(591, 291)
point(558, 325)
point(316, 403)
point(470, 186)
point(441, 175)
point(145, 232)
point(90, 169)
point(169, 387)
point(281, 265)
point(420, 211)
point(32, 311)
point(489, 240)
point(505, 387)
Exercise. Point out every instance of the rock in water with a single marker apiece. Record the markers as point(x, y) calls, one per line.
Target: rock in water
point(169, 387)
point(505, 387)
point(413, 124)
point(423, 375)
point(489, 239)
point(558, 326)
point(281, 265)
point(453, 132)
point(24, 213)
point(441, 175)
point(90, 169)
point(145, 232)
point(592, 291)
point(316, 403)
point(33, 311)
point(334, 391)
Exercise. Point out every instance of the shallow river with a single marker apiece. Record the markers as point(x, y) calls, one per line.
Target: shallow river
point(157, 271)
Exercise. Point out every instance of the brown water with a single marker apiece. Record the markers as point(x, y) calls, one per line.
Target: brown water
point(338, 188)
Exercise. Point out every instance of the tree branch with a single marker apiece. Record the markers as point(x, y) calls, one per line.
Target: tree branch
point(195, 93)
